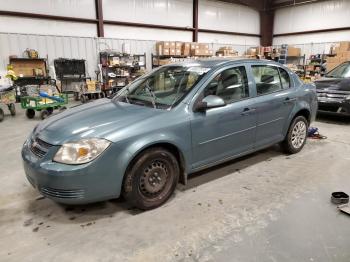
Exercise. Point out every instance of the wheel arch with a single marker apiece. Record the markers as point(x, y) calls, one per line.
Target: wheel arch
point(168, 145)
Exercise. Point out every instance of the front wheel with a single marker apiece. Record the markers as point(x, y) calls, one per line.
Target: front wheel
point(296, 136)
point(152, 179)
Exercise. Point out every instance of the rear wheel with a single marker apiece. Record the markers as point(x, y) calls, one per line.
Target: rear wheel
point(2, 115)
point(30, 113)
point(296, 136)
point(152, 178)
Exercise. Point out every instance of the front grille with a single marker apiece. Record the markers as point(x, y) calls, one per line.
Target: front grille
point(39, 147)
point(336, 94)
point(62, 193)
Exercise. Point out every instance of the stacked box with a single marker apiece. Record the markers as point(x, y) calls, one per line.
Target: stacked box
point(293, 51)
point(199, 49)
point(186, 49)
point(342, 54)
point(226, 51)
point(163, 48)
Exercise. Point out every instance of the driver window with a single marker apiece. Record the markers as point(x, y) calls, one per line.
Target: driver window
point(231, 85)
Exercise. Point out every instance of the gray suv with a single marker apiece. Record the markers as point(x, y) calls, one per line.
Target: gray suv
point(166, 125)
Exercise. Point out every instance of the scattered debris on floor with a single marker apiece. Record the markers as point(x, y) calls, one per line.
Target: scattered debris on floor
point(345, 209)
point(314, 133)
point(341, 199)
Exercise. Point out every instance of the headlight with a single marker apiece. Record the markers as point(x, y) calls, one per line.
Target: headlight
point(82, 151)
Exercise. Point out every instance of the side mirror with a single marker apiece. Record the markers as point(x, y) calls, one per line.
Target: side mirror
point(210, 101)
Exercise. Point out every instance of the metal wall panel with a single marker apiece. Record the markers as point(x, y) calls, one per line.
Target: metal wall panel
point(74, 8)
point(128, 32)
point(313, 38)
point(315, 16)
point(230, 39)
point(228, 17)
point(45, 27)
point(162, 12)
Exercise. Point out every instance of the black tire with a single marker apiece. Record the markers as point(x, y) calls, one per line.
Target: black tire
point(12, 109)
point(62, 108)
point(2, 115)
point(30, 113)
point(294, 143)
point(44, 114)
point(76, 96)
point(102, 95)
point(151, 178)
point(50, 110)
point(82, 98)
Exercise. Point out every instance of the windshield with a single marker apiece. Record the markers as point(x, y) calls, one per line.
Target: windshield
point(164, 87)
point(340, 71)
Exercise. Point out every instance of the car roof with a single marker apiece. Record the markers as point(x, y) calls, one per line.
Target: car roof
point(217, 62)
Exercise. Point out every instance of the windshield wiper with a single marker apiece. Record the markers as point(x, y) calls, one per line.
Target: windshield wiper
point(147, 87)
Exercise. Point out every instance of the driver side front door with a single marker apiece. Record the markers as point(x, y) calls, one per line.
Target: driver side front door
point(221, 133)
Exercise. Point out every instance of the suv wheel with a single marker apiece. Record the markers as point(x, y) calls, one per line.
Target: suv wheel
point(296, 136)
point(152, 179)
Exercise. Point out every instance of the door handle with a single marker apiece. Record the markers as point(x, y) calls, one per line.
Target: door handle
point(289, 100)
point(247, 111)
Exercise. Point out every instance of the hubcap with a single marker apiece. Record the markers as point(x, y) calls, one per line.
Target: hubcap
point(154, 178)
point(298, 134)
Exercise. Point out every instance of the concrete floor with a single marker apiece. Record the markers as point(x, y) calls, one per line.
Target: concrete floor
point(263, 207)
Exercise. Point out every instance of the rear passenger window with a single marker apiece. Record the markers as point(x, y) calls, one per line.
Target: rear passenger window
point(267, 79)
point(284, 78)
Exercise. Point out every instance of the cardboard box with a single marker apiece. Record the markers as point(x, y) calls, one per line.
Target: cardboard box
point(335, 59)
point(172, 51)
point(344, 46)
point(172, 45)
point(178, 45)
point(186, 49)
point(331, 66)
point(178, 52)
point(166, 51)
point(159, 49)
point(293, 51)
point(194, 46)
point(252, 51)
point(343, 59)
point(345, 54)
point(201, 52)
point(203, 46)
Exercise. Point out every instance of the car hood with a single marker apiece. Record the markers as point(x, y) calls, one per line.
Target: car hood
point(96, 119)
point(341, 84)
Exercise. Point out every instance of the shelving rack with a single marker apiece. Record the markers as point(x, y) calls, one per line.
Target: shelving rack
point(118, 69)
point(156, 59)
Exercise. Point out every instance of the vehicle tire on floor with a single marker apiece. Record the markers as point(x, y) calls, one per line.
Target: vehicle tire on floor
point(12, 109)
point(296, 136)
point(151, 178)
point(50, 110)
point(2, 115)
point(44, 114)
point(30, 113)
point(82, 98)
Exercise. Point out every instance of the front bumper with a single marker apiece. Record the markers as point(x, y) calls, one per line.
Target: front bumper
point(72, 184)
point(334, 106)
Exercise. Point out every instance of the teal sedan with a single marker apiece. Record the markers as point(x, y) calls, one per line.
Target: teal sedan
point(166, 125)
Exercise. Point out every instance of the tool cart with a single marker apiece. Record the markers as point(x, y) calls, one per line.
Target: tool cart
point(44, 99)
point(8, 98)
